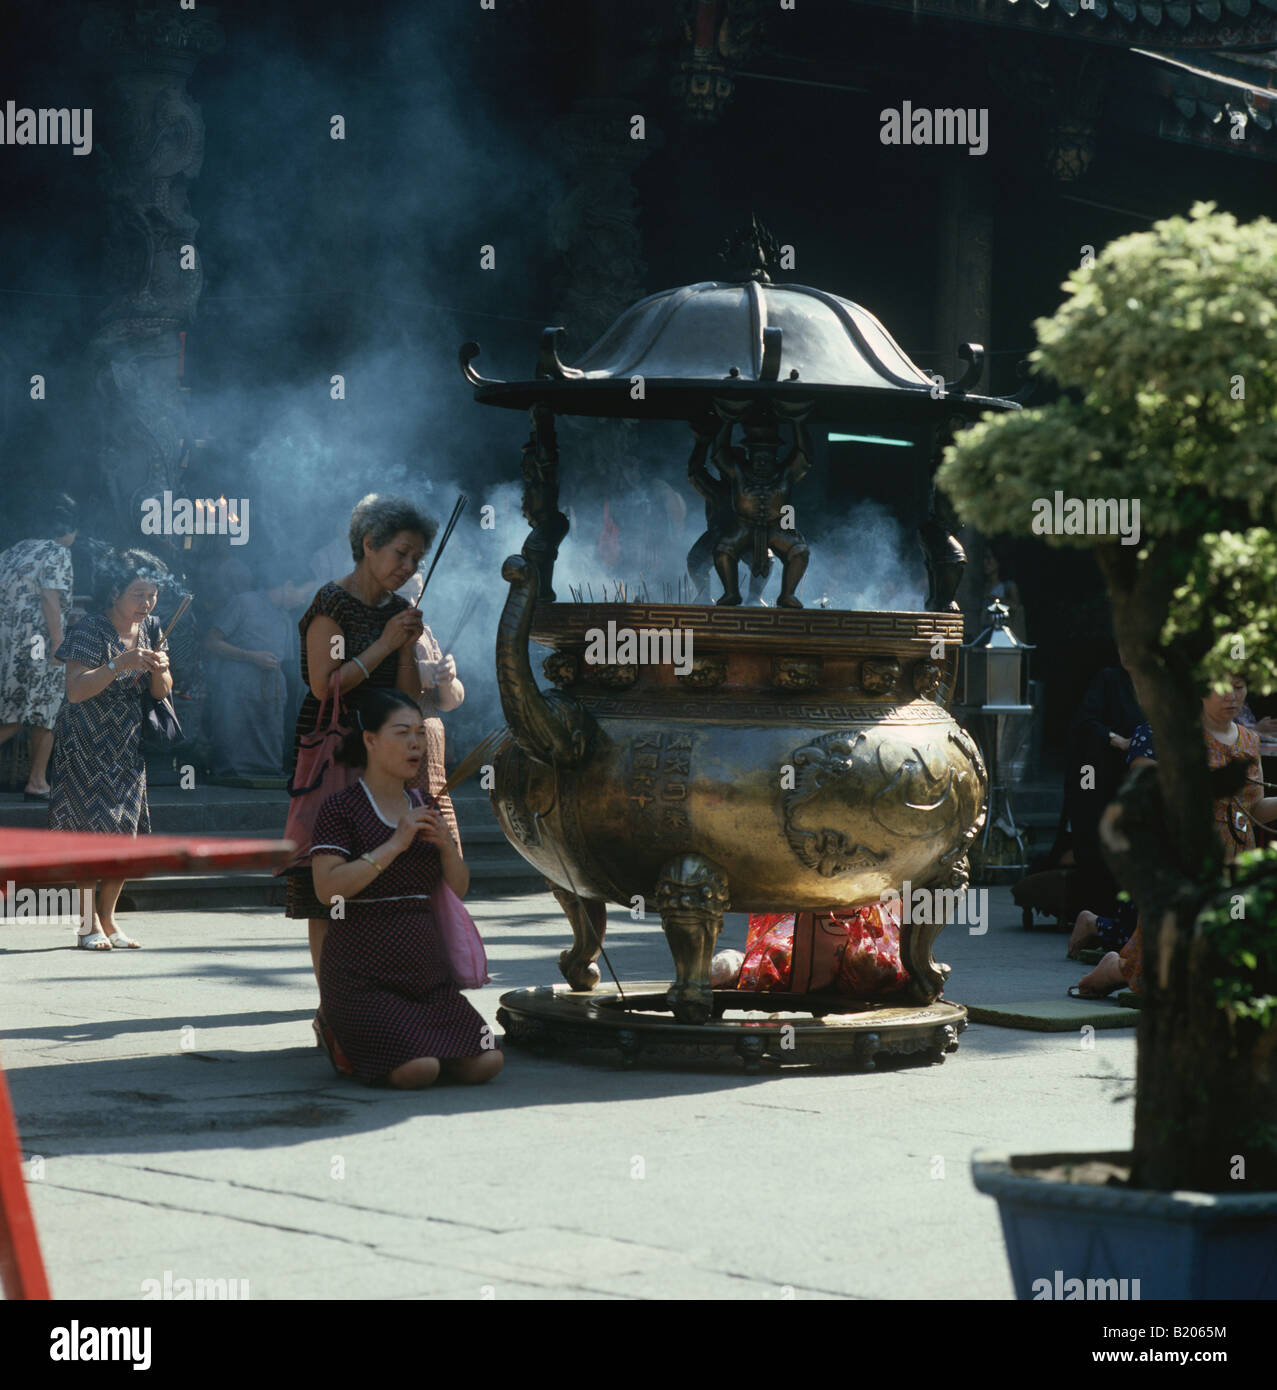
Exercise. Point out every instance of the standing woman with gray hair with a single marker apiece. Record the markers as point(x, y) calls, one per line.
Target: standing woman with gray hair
point(359, 627)
point(98, 772)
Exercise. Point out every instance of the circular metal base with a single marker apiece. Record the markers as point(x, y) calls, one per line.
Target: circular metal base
point(782, 1029)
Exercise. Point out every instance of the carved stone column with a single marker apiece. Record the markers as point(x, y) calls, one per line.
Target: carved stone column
point(965, 252)
point(149, 141)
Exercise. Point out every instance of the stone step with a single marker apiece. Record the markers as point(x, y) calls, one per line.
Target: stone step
point(212, 810)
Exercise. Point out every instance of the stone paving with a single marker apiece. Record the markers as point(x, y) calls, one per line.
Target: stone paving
point(187, 1128)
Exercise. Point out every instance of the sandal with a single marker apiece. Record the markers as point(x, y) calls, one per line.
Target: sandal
point(327, 1039)
point(91, 941)
point(120, 942)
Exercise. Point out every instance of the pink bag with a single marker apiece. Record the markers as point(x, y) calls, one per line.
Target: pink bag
point(317, 776)
point(462, 943)
point(461, 940)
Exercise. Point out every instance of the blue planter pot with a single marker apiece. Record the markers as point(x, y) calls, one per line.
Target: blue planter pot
point(1075, 1240)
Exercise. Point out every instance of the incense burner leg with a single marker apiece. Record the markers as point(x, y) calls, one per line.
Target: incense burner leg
point(691, 896)
point(589, 923)
point(926, 975)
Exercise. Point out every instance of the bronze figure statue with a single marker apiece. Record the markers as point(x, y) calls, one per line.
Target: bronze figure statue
point(760, 491)
point(720, 517)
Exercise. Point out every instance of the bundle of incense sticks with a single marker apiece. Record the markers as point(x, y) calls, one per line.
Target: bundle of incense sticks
point(181, 608)
point(443, 540)
point(483, 752)
point(463, 621)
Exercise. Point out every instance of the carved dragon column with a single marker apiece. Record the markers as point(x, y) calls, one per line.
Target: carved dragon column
point(151, 145)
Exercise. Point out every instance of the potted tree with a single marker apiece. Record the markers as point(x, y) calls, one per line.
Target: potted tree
point(1165, 350)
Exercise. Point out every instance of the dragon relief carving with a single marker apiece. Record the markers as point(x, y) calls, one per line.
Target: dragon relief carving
point(828, 786)
point(850, 788)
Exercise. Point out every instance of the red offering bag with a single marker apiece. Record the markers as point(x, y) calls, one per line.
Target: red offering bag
point(317, 776)
point(768, 949)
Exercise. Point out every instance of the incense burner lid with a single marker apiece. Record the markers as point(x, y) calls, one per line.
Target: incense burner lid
point(733, 339)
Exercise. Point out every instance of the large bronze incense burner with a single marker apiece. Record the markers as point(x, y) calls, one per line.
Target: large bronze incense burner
point(691, 759)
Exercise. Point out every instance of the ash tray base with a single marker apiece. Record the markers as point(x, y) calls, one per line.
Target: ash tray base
point(773, 1029)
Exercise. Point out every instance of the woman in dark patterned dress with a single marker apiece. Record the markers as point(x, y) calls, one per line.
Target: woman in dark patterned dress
point(97, 776)
point(359, 626)
point(377, 855)
point(35, 592)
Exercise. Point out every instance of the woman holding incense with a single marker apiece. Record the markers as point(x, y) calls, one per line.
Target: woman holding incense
point(358, 627)
point(385, 983)
point(97, 775)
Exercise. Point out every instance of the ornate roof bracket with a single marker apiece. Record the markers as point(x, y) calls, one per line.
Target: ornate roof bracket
point(467, 354)
point(973, 355)
point(548, 365)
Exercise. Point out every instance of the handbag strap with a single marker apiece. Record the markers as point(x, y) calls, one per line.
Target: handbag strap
point(333, 696)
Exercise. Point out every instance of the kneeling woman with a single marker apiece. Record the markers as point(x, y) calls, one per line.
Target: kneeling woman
point(377, 854)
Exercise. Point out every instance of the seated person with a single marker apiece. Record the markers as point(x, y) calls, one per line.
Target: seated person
point(1225, 741)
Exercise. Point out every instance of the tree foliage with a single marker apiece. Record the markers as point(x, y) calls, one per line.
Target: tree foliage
point(1166, 350)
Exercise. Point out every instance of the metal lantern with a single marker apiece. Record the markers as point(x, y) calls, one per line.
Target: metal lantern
point(994, 689)
point(995, 669)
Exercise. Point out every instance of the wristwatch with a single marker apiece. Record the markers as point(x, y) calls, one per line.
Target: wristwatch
point(115, 674)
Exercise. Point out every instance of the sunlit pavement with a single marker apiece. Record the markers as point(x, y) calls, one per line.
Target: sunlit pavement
point(179, 1123)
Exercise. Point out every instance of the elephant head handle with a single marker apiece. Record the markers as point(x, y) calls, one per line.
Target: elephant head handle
point(550, 727)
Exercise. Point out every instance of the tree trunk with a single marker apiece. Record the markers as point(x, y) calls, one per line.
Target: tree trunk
point(1206, 1093)
point(1206, 1088)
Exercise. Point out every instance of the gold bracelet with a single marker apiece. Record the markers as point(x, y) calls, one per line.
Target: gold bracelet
point(373, 862)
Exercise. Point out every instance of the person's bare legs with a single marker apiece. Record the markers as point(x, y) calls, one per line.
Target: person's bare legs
point(415, 1075)
point(475, 1070)
point(7, 731)
point(41, 741)
point(1083, 933)
point(107, 899)
point(316, 930)
point(85, 894)
point(1107, 975)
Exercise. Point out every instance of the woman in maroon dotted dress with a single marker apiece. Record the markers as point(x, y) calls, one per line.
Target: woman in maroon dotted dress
point(377, 855)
